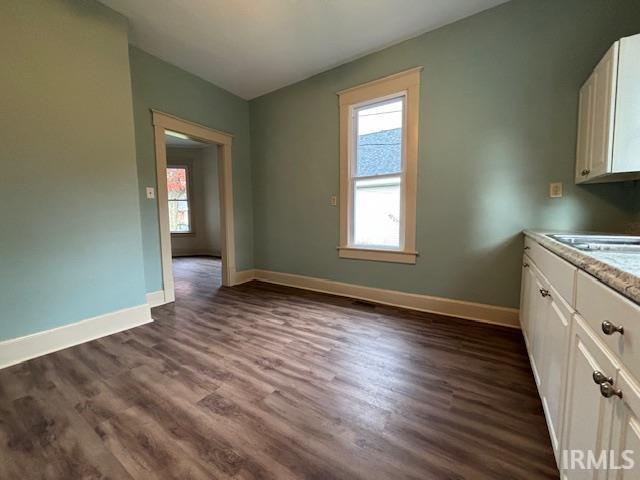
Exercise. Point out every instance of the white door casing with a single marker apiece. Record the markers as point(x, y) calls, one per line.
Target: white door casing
point(161, 122)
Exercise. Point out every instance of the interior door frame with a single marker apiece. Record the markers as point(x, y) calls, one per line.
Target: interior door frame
point(164, 121)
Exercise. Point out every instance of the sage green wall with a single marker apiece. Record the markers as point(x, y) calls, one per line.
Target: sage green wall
point(70, 241)
point(498, 122)
point(161, 86)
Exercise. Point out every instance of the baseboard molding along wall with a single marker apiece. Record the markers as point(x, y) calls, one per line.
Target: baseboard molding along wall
point(480, 312)
point(243, 276)
point(20, 349)
point(155, 299)
point(17, 350)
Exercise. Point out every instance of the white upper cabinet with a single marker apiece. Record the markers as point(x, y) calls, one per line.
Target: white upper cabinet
point(585, 115)
point(608, 148)
point(603, 98)
point(626, 145)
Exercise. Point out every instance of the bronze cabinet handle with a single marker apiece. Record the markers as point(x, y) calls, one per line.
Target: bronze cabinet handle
point(599, 378)
point(607, 390)
point(609, 328)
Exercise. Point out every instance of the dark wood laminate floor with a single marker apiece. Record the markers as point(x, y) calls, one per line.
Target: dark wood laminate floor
point(262, 382)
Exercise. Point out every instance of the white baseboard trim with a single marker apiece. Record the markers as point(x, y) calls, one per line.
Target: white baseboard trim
point(243, 276)
point(480, 312)
point(155, 299)
point(17, 350)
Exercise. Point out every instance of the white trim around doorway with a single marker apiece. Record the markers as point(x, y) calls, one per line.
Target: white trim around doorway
point(164, 121)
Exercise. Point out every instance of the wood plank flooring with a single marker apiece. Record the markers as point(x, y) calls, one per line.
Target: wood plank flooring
point(266, 382)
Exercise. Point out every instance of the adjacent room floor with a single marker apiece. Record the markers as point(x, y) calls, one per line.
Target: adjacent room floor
point(261, 382)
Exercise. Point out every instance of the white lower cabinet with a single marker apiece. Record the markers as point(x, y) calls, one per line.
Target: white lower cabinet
point(555, 340)
point(525, 298)
point(625, 436)
point(588, 415)
point(537, 321)
point(546, 319)
point(584, 349)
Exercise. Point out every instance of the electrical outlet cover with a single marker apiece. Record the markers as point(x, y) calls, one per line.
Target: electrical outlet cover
point(555, 190)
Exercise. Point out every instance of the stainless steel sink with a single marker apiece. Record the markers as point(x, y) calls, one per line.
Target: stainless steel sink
point(612, 243)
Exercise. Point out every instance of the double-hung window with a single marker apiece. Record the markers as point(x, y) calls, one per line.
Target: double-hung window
point(378, 164)
point(179, 201)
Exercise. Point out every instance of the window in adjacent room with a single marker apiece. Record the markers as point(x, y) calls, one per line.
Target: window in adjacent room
point(378, 163)
point(179, 202)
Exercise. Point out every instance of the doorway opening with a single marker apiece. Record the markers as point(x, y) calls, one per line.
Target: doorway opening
point(195, 201)
point(194, 213)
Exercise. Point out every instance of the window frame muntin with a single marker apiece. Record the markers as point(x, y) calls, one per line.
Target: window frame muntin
point(188, 199)
point(353, 165)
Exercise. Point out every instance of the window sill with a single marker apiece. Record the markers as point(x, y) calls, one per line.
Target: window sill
point(377, 254)
point(183, 234)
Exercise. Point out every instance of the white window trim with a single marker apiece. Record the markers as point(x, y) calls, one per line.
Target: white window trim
point(407, 83)
point(188, 178)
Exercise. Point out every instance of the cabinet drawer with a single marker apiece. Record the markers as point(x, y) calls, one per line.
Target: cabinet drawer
point(560, 273)
point(597, 303)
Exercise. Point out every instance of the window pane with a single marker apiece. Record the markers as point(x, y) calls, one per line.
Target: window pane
point(376, 212)
point(179, 216)
point(177, 183)
point(379, 143)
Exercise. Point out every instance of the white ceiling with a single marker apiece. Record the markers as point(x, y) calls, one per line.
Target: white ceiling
point(251, 47)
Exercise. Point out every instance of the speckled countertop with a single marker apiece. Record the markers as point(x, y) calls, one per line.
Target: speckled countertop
point(618, 270)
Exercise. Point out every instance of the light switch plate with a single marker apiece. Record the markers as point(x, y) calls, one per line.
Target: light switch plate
point(555, 190)
point(151, 193)
point(333, 201)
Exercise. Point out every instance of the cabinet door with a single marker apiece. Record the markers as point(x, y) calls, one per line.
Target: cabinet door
point(588, 415)
point(585, 120)
point(626, 148)
point(537, 324)
point(525, 298)
point(625, 436)
point(555, 348)
point(604, 92)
